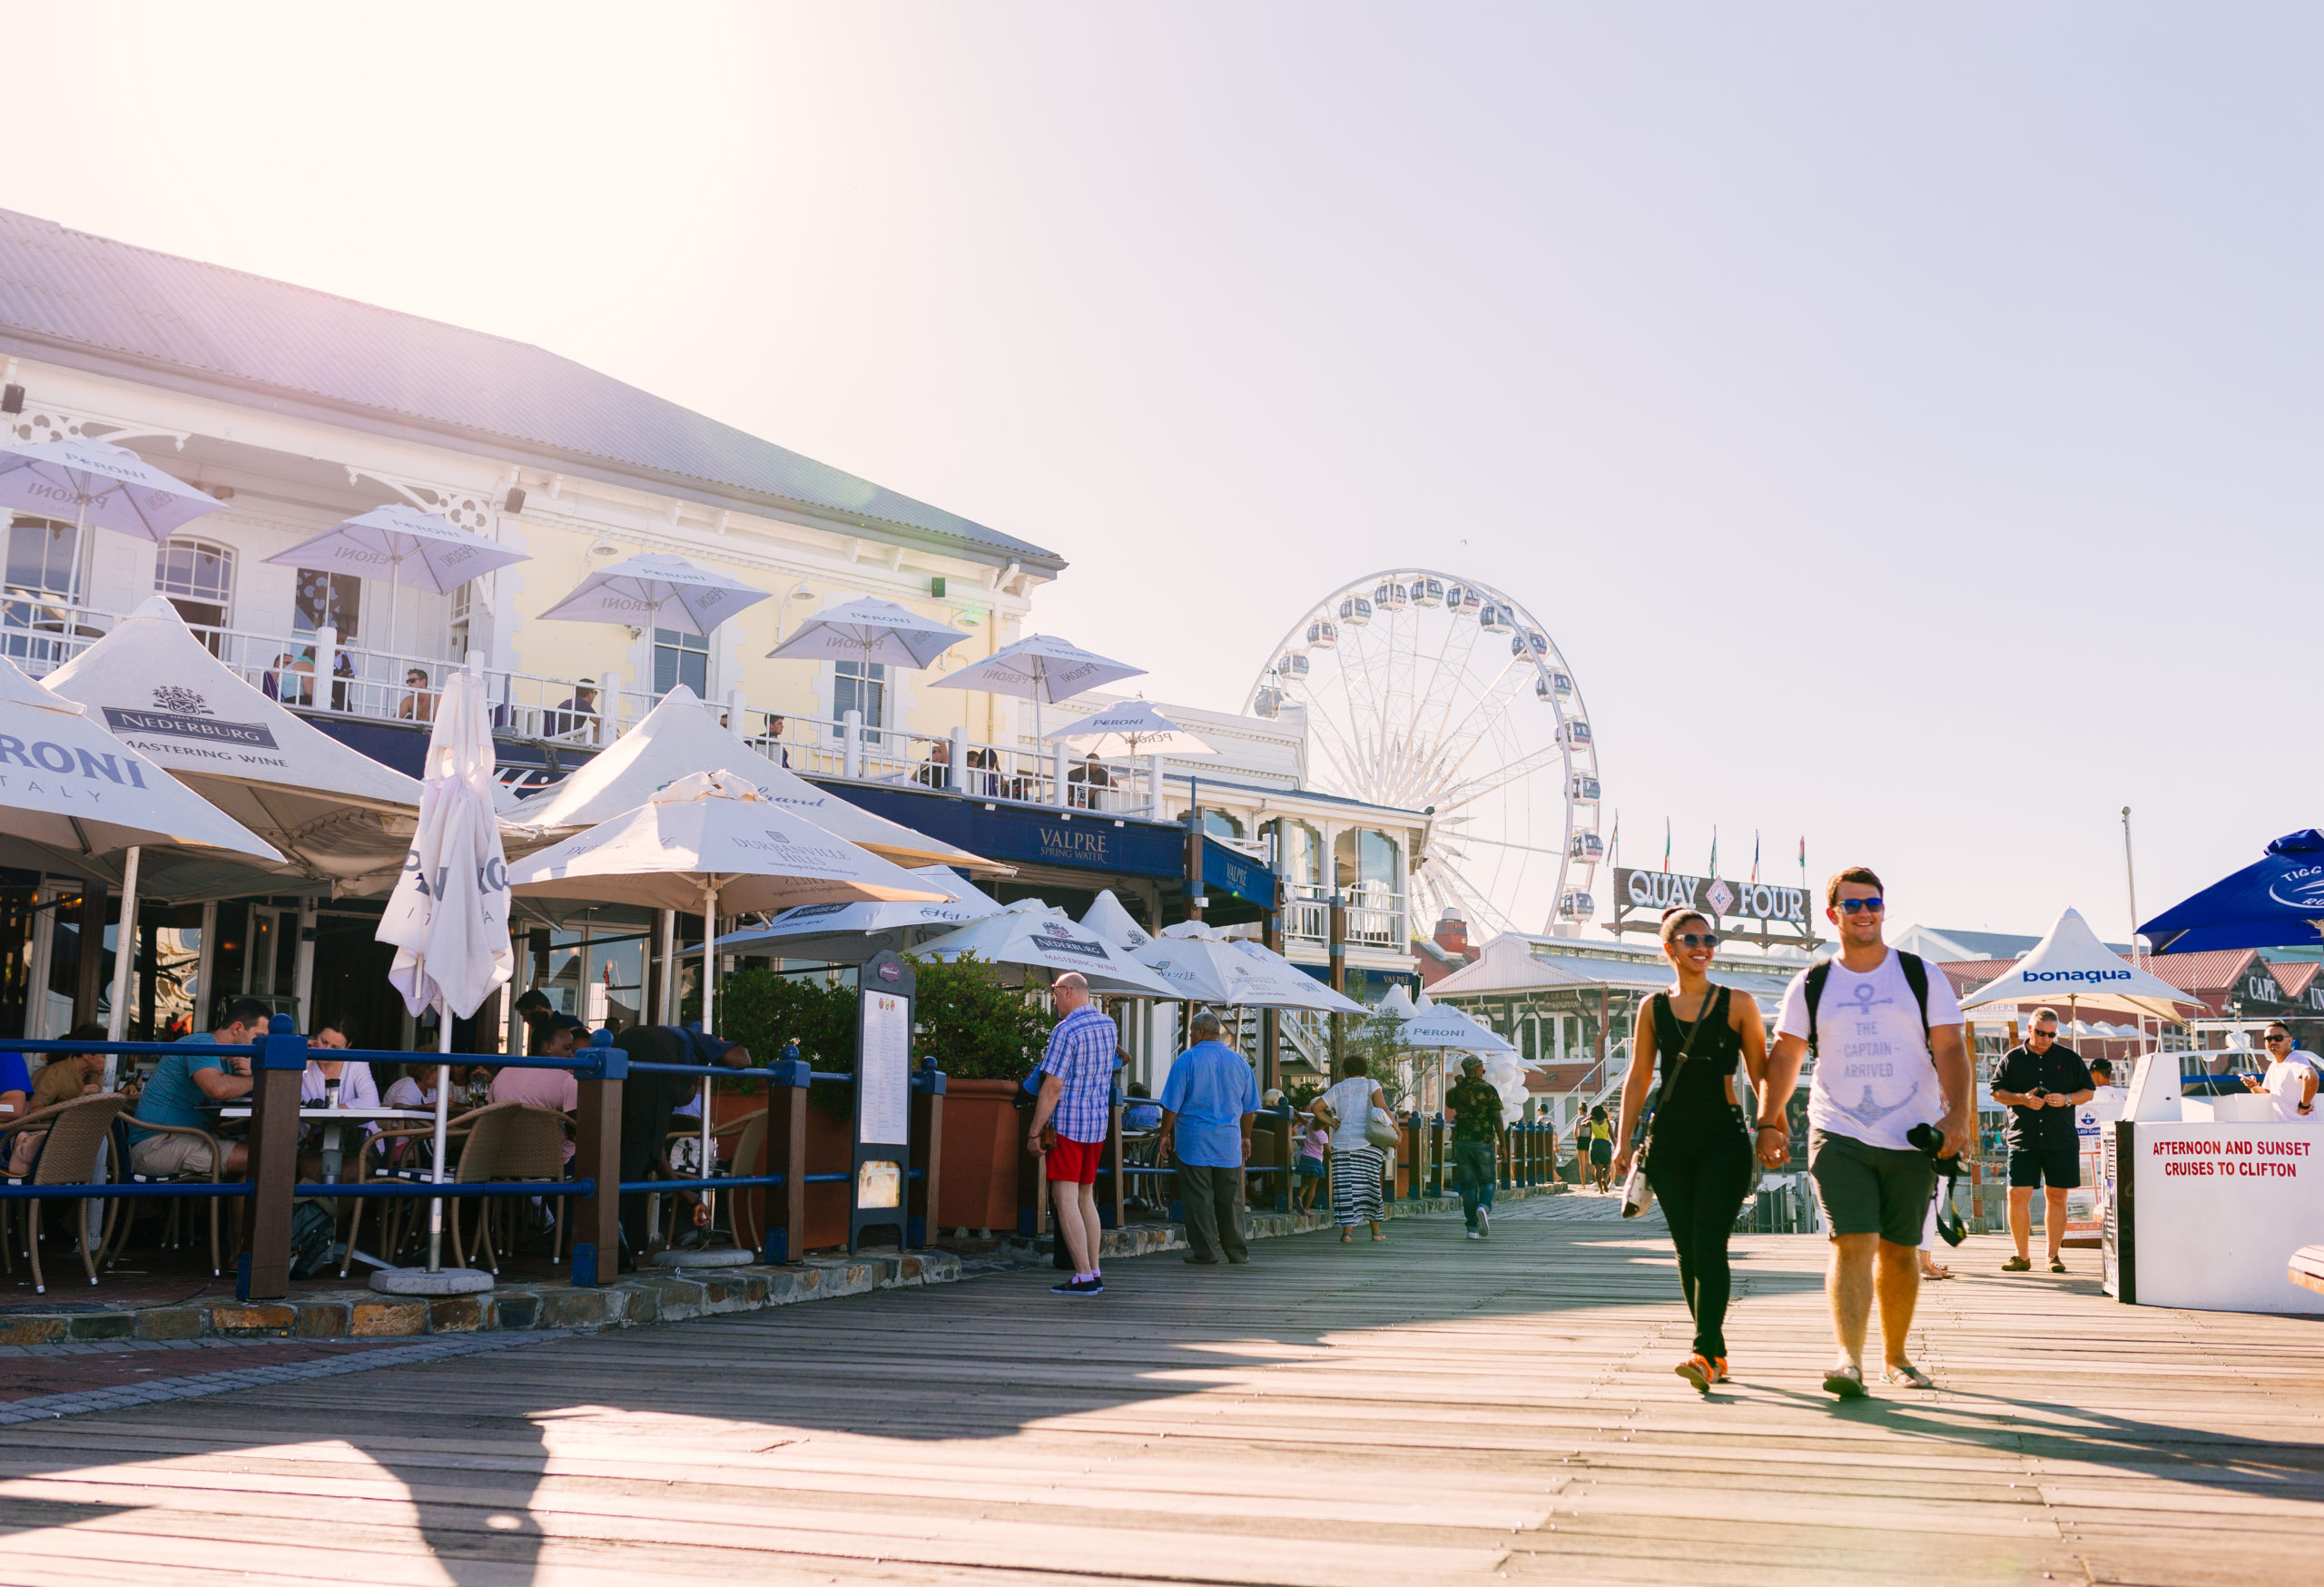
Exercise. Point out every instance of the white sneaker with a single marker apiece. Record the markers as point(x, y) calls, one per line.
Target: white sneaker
point(1475, 1236)
point(1484, 1223)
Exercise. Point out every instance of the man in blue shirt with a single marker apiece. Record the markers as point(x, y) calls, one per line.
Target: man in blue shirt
point(186, 1090)
point(1207, 1104)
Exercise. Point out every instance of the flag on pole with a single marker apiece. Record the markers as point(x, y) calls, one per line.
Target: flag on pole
point(1714, 854)
point(1666, 843)
point(1754, 855)
point(1803, 861)
point(1615, 848)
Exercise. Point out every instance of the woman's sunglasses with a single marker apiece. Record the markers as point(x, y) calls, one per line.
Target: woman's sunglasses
point(1698, 939)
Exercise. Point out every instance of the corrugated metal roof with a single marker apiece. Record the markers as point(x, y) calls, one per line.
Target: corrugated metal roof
point(2199, 972)
point(65, 290)
point(2294, 977)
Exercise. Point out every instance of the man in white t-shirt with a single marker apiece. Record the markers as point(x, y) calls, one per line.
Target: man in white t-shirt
point(2290, 1078)
point(1887, 1031)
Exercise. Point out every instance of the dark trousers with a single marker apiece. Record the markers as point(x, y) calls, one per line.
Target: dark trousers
point(647, 1100)
point(1473, 1169)
point(1211, 1199)
point(1702, 1187)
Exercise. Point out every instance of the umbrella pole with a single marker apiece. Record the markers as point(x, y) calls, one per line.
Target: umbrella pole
point(670, 968)
point(443, 1100)
point(709, 981)
point(124, 958)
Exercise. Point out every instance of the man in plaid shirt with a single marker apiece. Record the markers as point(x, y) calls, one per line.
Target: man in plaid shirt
point(1078, 1094)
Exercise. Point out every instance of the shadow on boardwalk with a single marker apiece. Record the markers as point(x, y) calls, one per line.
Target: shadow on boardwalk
point(1376, 1341)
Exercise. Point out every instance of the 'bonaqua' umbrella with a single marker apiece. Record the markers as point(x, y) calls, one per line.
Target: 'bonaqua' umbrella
point(74, 795)
point(1128, 729)
point(2072, 964)
point(1041, 669)
point(110, 486)
point(1032, 933)
point(405, 547)
point(2276, 901)
point(706, 837)
point(869, 629)
point(448, 916)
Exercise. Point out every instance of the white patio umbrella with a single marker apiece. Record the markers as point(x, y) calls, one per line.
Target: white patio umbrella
point(448, 916)
point(1041, 669)
point(869, 629)
point(2072, 964)
point(708, 836)
point(1031, 932)
point(1208, 970)
point(1320, 996)
point(1128, 729)
point(88, 795)
point(1440, 1026)
point(110, 486)
point(656, 591)
point(405, 547)
point(850, 933)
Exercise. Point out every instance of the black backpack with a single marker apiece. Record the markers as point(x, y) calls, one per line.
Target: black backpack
point(1915, 976)
point(312, 1240)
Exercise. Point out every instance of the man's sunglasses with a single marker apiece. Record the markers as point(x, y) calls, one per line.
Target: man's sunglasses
point(1698, 939)
point(2272, 1040)
point(1856, 906)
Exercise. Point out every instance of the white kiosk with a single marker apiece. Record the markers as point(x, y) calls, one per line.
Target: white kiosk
point(2207, 1198)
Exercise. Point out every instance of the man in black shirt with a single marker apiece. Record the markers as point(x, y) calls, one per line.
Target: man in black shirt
point(649, 1100)
point(2041, 1083)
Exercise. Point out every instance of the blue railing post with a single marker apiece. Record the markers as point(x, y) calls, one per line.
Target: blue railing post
point(596, 1156)
point(264, 1272)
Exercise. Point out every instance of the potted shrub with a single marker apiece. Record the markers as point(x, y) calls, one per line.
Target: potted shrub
point(986, 1038)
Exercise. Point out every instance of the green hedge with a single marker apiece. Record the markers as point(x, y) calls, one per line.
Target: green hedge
point(970, 1024)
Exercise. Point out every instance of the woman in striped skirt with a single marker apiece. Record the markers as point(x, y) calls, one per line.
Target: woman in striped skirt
point(1357, 1166)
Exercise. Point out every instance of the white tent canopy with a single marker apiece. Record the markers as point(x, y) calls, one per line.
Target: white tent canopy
point(74, 794)
point(1031, 933)
point(2071, 966)
point(334, 812)
point(1109, 920)
point(678, 737)
point(869, 629)
point(714, 833)
point(850, 933)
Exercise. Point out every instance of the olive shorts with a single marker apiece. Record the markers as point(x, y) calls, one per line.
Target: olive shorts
point(1870, 1190)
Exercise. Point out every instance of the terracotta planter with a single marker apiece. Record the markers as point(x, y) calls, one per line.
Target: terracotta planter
point(976, 1186)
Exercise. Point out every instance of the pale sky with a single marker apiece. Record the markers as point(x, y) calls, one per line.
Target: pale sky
point(1905, 422)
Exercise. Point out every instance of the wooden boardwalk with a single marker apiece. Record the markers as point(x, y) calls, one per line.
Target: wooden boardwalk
point(1430, 1410)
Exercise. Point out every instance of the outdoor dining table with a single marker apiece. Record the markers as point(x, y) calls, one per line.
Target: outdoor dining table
point(335, 1120)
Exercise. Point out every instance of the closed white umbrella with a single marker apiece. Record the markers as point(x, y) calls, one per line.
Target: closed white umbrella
point(1128, 729)
point(448, 916)
point(97, 483)
point(870, 630)
point(657, 591)
point(73, 794)
point(405, 547)
point(1042, 669)
point(1032, 933)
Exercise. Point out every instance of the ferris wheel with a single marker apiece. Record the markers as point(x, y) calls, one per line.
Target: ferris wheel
point(1422, 690)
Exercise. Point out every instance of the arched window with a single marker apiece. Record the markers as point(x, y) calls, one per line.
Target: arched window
point(198, 575)
point(1299, 852)
point(1219, 824)
point(1366, 861)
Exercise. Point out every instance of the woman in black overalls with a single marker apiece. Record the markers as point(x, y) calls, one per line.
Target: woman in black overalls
point(1698, 1157)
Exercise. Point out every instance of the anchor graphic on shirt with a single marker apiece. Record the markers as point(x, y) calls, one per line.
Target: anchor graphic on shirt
point(1865, 1001)
point(1869, 1111)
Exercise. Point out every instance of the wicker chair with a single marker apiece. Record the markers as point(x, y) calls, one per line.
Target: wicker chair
point(510, 1140)
point(218, 1151)
point(398, 1216)
point(74, 1129)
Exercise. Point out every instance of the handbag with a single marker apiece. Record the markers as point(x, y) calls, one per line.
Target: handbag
point(1380, 1130)
point(1637, 1195)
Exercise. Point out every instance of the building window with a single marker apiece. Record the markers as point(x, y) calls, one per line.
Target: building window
point(198, 575)
point(1366, 861)
point(1298, 852)
point(859, 685)
point(1219, 824)
point(332, 598)
point(44, 558)
point(681, 658)
point(463, 606)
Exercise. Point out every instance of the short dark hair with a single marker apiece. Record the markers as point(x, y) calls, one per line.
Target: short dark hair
point(245, 1011)
point(2273, 1024)
point(1862, 875)
point(1353, 1065)
point(339, 1023)
point(533, 1002)
point(87, 1030)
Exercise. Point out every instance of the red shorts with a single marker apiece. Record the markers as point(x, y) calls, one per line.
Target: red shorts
point(1074, 1162)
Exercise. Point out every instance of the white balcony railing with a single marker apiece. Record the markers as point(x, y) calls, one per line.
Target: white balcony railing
point(1375, 916)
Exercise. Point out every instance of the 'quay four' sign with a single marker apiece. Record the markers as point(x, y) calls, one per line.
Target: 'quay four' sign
point(1764, 911)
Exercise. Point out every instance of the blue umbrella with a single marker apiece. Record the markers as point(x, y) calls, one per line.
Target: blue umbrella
point(2277, 903)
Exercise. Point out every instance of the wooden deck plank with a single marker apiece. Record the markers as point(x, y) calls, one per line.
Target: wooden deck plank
point(1432, 1410)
